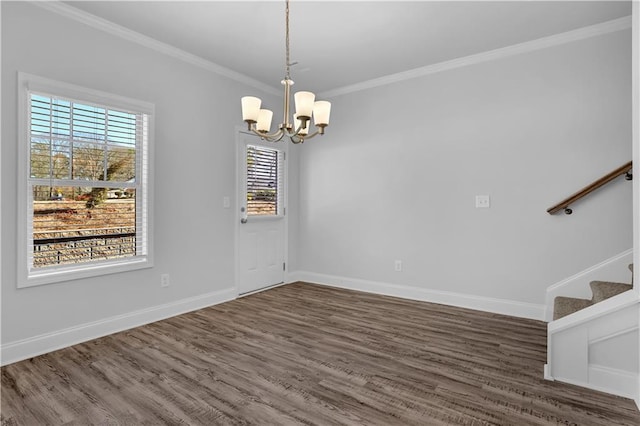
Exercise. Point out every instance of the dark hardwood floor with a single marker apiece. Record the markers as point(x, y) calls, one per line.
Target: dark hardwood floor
point(308, 354)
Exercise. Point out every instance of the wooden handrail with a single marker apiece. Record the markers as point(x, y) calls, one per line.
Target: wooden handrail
point(564, 204)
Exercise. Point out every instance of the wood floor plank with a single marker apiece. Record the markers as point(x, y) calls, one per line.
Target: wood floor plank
point(305, 354)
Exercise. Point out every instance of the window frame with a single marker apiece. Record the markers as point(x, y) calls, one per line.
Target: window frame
point(29, 276)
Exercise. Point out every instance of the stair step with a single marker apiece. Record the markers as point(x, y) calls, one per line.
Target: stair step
point(603, 290)
point(563, 306)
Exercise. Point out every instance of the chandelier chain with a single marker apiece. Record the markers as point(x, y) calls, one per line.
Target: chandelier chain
point(286, 40)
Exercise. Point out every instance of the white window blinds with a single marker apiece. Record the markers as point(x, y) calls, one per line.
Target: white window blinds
point(78, 141)
point(264, 181)
point(87, 163)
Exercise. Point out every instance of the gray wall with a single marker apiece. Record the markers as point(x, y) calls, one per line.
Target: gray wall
point(398, 175)
point(196, 116)
point(395, 178)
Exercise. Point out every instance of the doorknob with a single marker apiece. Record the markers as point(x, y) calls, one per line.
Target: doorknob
point(243, 220)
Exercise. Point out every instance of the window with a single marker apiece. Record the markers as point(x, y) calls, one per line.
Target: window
point(264, 181)
point(84, 182)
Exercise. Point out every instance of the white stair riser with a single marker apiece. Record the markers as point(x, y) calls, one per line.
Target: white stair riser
point(598, 352)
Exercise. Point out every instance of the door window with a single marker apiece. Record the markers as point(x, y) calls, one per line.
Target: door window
point(264, 181)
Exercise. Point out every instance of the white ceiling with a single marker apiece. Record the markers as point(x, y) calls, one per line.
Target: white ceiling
point(339, 43)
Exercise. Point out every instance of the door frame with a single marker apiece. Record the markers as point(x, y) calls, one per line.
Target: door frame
point(240, 135)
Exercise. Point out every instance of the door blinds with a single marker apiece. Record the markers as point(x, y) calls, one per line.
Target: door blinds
point(264, 181)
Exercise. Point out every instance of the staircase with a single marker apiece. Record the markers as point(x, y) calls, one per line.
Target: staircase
point(601, 290)
point(594, 342)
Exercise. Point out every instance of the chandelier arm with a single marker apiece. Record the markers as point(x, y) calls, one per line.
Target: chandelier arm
point(296, 140)
point(278, 139)
point(316, 133)
point(296, 132)
point(272, 137)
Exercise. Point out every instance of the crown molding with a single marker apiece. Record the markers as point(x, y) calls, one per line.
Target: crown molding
point(504, 52)
point(151, 43)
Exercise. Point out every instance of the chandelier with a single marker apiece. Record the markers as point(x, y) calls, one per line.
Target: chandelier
point(259, 120)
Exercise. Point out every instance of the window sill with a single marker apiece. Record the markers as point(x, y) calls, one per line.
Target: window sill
point(52, 276)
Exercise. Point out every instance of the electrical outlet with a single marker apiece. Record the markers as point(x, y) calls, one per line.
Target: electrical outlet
point(483, 202)
point(164, 280)
point(398, 265)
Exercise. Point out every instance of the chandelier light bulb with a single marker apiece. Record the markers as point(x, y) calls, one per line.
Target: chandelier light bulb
point(304, 104)
point(264, 120)
point(321, 113)
point(250, 108)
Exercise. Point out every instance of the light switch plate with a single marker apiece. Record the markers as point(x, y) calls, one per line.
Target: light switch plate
point(483, 202)
point(226, 202)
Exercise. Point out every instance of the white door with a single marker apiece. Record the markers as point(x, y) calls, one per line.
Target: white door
point(261, 218)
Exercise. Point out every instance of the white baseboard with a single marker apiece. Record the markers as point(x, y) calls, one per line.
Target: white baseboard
point(480, 303)
point(610, 380)
point(49, 342)
point(547, 373)
point(260, 290)
point(607, 380)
